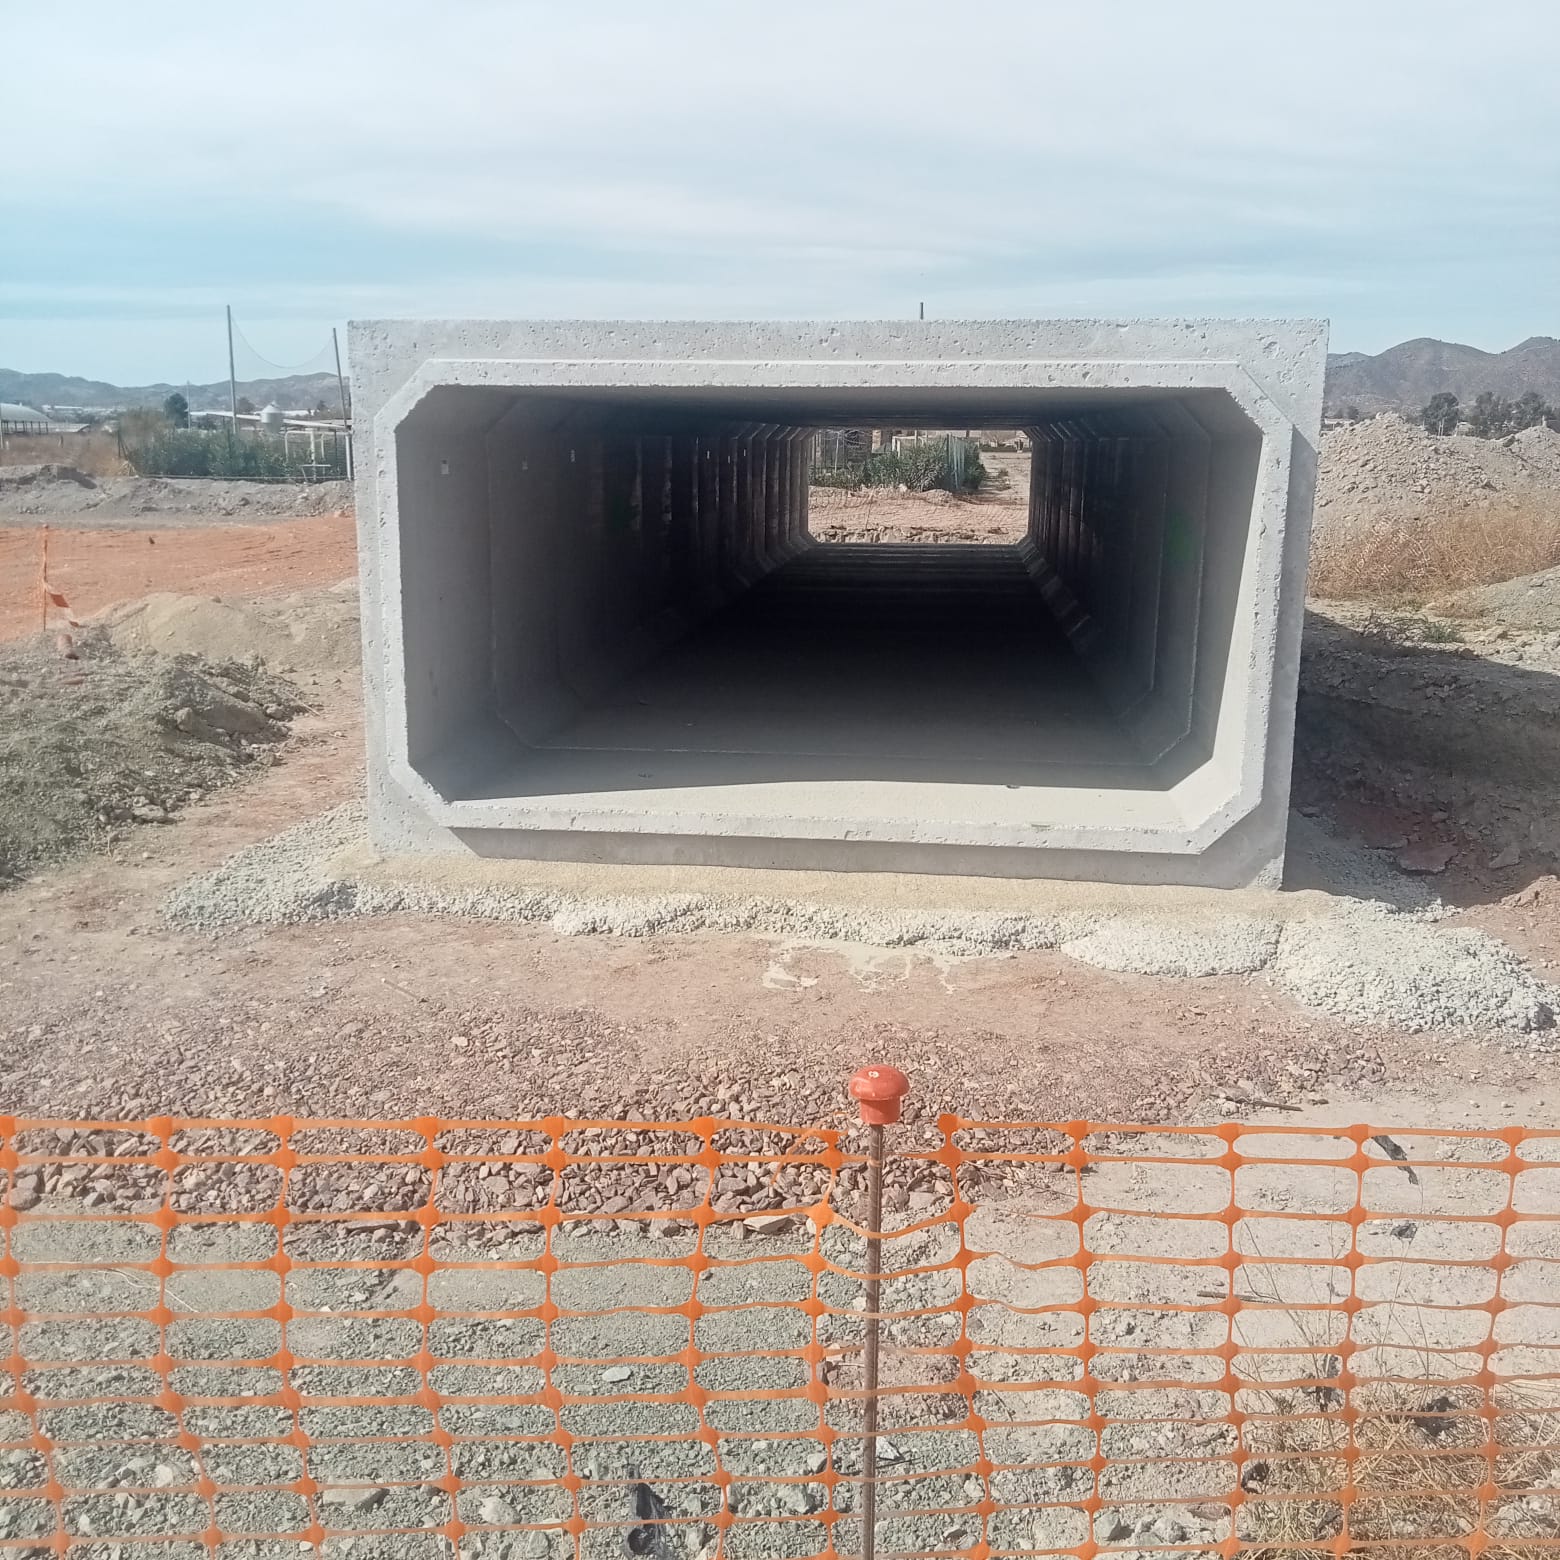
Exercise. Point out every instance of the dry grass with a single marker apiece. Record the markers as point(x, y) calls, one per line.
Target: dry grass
point(97, 454)
point(1415, 561)
point(1421, 1466)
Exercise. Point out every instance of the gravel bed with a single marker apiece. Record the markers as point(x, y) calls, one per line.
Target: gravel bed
point(1362, 960)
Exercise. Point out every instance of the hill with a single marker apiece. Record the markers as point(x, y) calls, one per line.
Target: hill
point(1401, 379)
point(1404, 377)
point(296, 390)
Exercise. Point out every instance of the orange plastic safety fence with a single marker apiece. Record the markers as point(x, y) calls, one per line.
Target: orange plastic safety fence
point(572, 1337)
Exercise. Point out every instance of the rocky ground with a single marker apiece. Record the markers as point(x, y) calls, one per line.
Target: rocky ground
point(1510, 610)
point(97, 743)
point(545, 1360)
point(62, 495)
point(1442, 733)
point(1387, 468)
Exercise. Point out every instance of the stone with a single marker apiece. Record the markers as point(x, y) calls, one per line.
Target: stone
point(771, 1223)
point(1427, 859)
point(355, 1496)
point(617, 1373)
point(496, 1510)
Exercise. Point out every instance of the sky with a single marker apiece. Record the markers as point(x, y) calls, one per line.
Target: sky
point(1392, 167)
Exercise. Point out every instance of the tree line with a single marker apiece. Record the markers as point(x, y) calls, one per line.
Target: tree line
point(1491, 416)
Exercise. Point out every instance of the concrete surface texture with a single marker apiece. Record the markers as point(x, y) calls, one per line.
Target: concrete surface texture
point(596, 625)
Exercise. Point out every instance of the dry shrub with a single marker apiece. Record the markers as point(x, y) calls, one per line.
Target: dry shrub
point(96, 453)
point(1421, 1461)
point(1415, 560)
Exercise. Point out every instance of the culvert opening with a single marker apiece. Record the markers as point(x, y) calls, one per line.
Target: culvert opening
point(615, 620)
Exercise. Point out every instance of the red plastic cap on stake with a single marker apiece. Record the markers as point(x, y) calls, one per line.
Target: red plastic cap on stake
point(878, 1091)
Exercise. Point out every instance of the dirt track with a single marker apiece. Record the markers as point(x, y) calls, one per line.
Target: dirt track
point(96, 568)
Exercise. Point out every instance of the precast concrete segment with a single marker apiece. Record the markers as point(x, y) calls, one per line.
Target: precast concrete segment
point(596, 626)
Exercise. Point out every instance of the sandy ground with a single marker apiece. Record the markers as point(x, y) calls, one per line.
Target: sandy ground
point(94, 569)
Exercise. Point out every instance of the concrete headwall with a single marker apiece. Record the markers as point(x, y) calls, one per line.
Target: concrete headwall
point(596, 624)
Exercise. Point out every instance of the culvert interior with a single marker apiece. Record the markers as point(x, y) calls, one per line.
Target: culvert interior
point(614, 619)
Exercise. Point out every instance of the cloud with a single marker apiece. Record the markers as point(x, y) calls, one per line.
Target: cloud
point(1387, 163)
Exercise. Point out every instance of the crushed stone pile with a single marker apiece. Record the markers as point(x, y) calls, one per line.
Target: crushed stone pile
point(308, 630)
point(93, 747)
point(1388, 469)
point(1358, 960)
point(65, 496)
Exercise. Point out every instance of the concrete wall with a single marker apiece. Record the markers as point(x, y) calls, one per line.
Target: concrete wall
point(596, 626)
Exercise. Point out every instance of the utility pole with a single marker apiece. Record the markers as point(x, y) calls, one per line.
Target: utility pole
point(341, 385)
point(232, 380)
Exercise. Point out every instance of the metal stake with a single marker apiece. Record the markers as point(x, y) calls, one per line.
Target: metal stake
point(874, 1269)
point(878, 1091)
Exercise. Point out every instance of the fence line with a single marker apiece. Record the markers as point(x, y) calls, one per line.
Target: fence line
point(583, 1337)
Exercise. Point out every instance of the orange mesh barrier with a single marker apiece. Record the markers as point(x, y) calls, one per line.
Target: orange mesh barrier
point(588, 1338)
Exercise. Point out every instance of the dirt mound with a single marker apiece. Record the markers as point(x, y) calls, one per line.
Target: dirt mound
point(1530, 602)
point(1539, 447)
point(1464, 744)
point(315, 630)
point(1389, 469)
point(61, 495)
point(96, 746)
point(45, 475)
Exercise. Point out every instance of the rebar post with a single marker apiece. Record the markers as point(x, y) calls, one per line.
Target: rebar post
point(878, 1091)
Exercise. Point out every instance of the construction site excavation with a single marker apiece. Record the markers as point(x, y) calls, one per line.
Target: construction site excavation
point(599, 625)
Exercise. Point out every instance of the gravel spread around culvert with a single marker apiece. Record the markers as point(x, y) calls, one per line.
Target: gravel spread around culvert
point(1231, 945)
point(1356, 959)
point(1367, 966)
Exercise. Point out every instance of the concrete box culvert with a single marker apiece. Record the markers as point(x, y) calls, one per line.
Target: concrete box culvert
point(596, 625)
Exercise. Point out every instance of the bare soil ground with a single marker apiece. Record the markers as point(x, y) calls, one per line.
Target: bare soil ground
point(94, 568)
point(997, 515)
point(109, 1010)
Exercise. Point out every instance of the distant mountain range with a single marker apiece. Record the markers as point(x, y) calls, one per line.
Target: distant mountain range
point(295, 392)
point(1402, 379)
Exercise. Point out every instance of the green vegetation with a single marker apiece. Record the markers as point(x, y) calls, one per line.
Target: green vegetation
point(1491, 416)
point(194, 452)
point(837, 476)
point(952, 464)
point(1441, 412)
